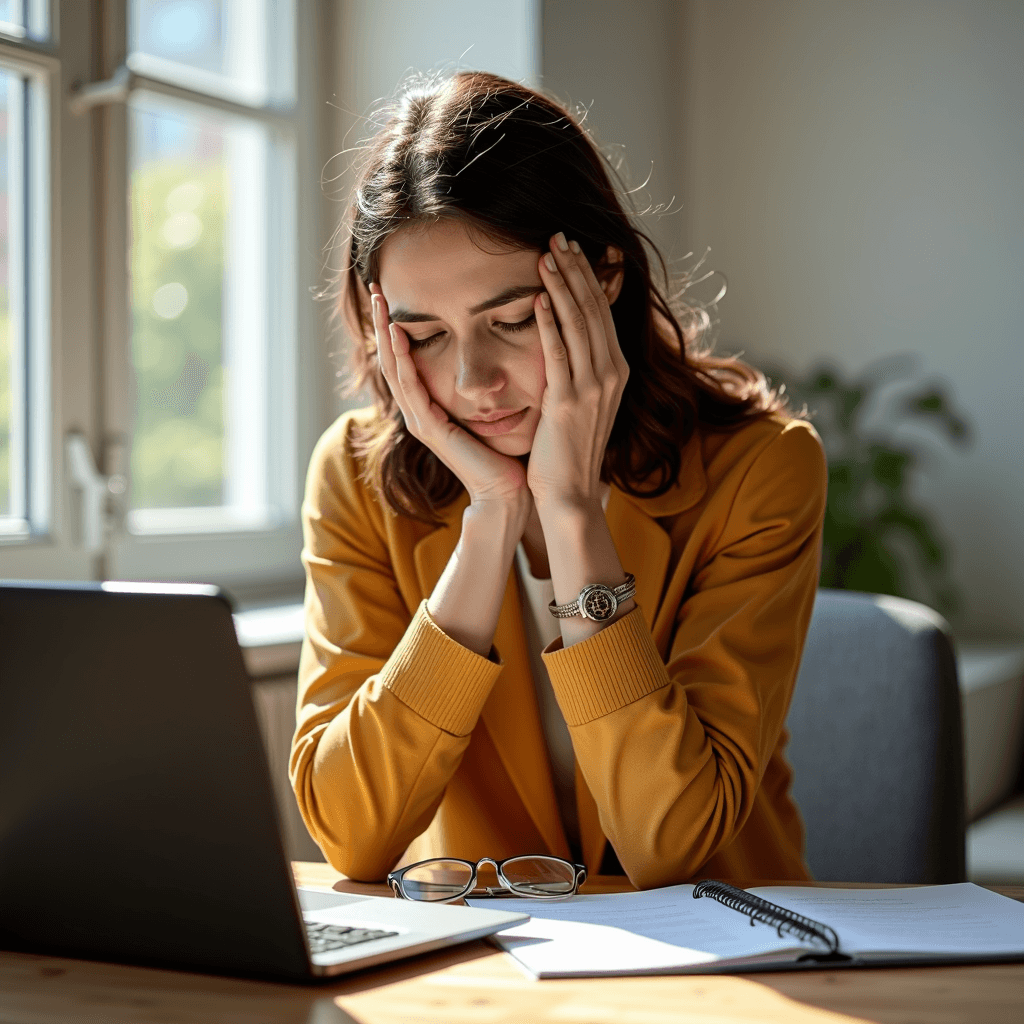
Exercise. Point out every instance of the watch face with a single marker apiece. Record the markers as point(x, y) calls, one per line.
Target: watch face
point(598, 603)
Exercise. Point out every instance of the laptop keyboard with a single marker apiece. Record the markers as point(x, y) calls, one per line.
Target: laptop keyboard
point(325, 937)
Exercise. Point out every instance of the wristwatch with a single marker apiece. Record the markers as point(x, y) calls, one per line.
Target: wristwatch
point(597, 601)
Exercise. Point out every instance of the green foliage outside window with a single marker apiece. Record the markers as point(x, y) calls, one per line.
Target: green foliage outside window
point(5, 406)
point(877, 538)
point(178, 215)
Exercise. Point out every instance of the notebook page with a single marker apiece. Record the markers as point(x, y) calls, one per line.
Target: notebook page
point(704, 929)
point(961, 918)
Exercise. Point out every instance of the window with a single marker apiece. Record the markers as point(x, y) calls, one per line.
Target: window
point(24, 277)
point(154, 309)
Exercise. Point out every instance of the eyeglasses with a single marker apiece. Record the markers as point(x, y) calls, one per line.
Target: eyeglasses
point(445, 879)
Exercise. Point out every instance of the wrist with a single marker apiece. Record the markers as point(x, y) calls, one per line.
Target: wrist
point(581, 551)
point(501, 522)
point(570, 510)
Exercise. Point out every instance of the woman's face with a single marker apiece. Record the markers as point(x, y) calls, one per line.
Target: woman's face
point(469, 317)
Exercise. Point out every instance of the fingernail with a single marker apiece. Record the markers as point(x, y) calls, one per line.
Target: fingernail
point(545, 300)
point(575, 246)
point(561, 242)
point(549, 262)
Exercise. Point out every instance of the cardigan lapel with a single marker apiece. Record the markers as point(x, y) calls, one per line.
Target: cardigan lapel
point(643, 546)
point(433, 550)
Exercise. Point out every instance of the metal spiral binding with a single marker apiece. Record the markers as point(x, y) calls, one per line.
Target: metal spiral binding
point(804, 928)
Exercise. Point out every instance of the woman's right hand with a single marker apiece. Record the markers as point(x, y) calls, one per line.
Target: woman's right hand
point(490, 478)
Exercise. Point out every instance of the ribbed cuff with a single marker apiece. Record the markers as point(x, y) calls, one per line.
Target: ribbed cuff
point(615, 667)
point(442, 681)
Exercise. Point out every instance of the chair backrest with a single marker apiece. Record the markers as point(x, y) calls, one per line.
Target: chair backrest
point(876, 744)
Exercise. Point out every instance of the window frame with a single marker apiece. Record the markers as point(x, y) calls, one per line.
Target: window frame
point(44, 551)
point(90, 364)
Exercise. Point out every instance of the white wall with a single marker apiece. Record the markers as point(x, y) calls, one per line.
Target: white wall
point(383, 39)
point(376, 44)
point(858, 171)
point(620, 62)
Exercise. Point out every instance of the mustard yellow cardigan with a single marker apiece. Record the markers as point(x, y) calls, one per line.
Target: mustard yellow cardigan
point(409, 745)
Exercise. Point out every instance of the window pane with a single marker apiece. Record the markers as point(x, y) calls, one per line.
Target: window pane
point(25, 18)
point(6, 384)
point(12, 384)
point(241, 48)
point(199, 314)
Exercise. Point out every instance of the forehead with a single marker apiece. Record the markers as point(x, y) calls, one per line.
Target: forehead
point(448, 262)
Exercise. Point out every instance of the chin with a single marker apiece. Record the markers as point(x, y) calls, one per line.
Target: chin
point(509, 445)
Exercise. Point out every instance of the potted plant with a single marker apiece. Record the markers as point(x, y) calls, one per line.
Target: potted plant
point(874, 531)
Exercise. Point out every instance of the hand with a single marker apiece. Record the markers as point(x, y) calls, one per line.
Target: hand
point(488, 476)
point(586, 376)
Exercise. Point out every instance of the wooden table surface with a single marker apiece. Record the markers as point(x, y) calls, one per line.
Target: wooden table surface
point(475, 982)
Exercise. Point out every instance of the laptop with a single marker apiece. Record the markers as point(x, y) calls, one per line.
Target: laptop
point(137, 818)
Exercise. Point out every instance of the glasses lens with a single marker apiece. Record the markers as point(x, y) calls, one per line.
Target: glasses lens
point(539, 876)
point(437, 880)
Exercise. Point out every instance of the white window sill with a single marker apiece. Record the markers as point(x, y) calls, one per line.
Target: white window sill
point(992, 704)
point(271, 639)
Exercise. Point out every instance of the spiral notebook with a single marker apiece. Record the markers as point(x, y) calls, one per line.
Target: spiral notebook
point(713, 927)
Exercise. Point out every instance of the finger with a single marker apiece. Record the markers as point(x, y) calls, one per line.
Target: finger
point(391, 358)
point(611, 335)
point(614, 352)
point(556, 356)
point(573, 324)
point(379, 308)
point(569, 261)
point(414, 391)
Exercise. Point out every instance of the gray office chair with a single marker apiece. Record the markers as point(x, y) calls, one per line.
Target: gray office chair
point(876, 746)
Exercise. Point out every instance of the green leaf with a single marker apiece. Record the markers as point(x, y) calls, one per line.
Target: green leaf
point(849, 401)
point(845, 491)
point(919, 528)
point(866, 564)
point(889, 466)
point(823, 379)
point(933, 403)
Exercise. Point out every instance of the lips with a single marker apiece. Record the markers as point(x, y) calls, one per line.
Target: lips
point(501, 424)
point(493, 419)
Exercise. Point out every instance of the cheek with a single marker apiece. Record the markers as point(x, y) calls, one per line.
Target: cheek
point(535, 378)
point(433, 377)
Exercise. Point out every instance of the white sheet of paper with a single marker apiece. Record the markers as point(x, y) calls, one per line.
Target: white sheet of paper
point(547, 947)
point(666, 929)
point(658, 929)
point(958, 918)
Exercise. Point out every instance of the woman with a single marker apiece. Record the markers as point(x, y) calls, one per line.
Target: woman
point(544, 423)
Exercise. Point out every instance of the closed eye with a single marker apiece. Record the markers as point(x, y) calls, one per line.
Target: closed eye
point(520, 325)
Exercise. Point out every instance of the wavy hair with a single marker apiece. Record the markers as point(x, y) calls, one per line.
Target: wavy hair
point(517, 166)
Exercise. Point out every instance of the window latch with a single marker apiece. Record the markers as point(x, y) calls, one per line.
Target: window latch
point(86, 95)
point(101, 497)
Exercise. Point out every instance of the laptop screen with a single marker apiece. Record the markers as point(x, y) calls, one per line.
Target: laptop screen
point(137, 818)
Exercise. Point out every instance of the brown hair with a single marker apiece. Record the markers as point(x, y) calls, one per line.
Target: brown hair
point(518, 167)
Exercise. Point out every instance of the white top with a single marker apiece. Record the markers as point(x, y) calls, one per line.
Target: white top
point(541, 628)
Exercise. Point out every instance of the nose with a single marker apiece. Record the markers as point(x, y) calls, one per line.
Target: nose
point(477, 373)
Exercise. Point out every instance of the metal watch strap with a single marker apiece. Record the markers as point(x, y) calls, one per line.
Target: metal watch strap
point(597, 601)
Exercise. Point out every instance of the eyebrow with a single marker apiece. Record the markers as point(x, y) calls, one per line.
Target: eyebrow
point(508, 295)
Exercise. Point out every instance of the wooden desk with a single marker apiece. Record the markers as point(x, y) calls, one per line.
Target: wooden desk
point(475, 982)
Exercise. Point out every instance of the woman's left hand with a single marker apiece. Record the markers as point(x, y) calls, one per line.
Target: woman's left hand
point(586, 376)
